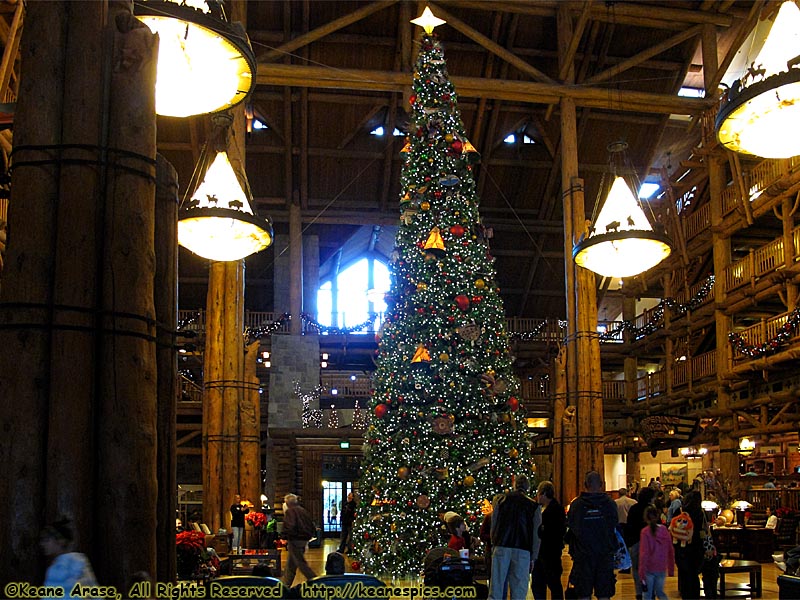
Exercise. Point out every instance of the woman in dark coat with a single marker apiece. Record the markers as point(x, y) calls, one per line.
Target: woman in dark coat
point(689, 558)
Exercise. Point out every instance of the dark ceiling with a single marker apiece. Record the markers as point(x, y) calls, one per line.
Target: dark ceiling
point(329, 73)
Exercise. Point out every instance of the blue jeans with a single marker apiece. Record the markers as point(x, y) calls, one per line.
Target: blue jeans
point(655, 586)
point(237, 536)
point(637, 583)
point(510, 566)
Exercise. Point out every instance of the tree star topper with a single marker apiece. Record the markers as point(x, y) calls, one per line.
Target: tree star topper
point(428, 21)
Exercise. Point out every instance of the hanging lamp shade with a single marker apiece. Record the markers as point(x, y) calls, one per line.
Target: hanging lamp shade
point(621, 243)
point(217, 221)
point(763, 107)
point(205, 63)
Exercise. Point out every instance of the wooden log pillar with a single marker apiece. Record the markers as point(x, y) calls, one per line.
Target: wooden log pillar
point(126, 408)
point(77, 309)
point(584, 391)
point(166, 306)
point(563, 429)
point(228, 423)
point(250, 428)
point(787, 222)
point(631, 374)
point(721, 248)
point(26, 296)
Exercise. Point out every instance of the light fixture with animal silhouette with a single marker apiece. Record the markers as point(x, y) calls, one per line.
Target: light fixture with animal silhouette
point(216, 220)
point(621, 241)
point(760, 114)
point(205, 62)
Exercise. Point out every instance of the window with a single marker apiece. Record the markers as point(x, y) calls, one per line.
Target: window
point(350, 298)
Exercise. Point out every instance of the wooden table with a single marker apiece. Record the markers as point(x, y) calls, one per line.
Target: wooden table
point(244, 563)
point(740, 566)
point(749, 543)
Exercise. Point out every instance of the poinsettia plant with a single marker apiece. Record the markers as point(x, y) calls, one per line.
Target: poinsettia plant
point(256, 519)
point(193, 559)
point(785, 511)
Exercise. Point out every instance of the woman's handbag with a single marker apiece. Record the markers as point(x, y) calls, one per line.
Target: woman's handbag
point(709, 550)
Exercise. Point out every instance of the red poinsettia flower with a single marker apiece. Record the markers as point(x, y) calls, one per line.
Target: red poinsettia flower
point(256, 519)
point(191, 541)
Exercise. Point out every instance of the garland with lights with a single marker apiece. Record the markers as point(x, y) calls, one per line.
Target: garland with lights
point(656, 320)
point(529, 336)
point(251, 334)
point(360, 418)
point(330, 330)
point(780, 340)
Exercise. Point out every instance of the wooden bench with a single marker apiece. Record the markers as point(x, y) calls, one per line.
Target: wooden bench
point(753, 590)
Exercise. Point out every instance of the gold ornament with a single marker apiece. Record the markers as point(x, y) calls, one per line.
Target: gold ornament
point(422, 286)
point(402, 472)
point(444, 357)
point(425, 205)
point(469, 481)
point(480, 284)
point(513, 453)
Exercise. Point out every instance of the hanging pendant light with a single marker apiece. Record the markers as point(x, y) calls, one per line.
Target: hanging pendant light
point(621, 240)
point(216, 220)
point(761, 114)
point(205, 63)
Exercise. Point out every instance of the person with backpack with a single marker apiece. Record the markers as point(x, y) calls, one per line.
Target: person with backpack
point(688, 547)
point(656, 556)
point(592, 539)
point(298, 528)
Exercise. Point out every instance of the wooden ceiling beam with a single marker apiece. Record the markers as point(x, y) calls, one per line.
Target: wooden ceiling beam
point(644, 55)
point(491, 45)
point(517, 91)
point(627, 13)
point(320, 32)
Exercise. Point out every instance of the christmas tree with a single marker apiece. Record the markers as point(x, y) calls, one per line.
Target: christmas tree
point(446, 428)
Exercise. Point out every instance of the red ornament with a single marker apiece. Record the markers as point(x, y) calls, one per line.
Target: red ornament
point(462, 302)
point(381, 410)
point(477, 299)
point(513, 403)
point(412, 98)
point(355, 565)
point(457, 230)
point(457, 145)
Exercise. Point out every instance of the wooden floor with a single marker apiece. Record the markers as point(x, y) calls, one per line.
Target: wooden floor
point(625, 588)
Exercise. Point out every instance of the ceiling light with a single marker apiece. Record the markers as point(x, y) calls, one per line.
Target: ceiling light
point(205, 63)
point(217, 221)
point(621, 241)
point(764, 104)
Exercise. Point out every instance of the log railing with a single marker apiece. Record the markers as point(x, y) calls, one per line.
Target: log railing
point(350, 385)
point(763, 332)
point(697, 222)
point(188, 390)
point(782, 497)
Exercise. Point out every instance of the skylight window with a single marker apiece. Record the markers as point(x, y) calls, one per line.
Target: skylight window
point(511, 138)
point(398, 133)
point(259, 124)
point(688, 92)
point(377, 131)
point(648, 189)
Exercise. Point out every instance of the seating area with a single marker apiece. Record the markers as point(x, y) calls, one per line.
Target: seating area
point(738, 579)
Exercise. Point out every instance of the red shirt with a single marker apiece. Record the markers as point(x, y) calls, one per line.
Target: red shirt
point(456, 542)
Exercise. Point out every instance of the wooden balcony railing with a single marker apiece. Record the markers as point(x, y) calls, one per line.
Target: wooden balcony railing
point(763, 332)
point(189, 391)
point(697, 222)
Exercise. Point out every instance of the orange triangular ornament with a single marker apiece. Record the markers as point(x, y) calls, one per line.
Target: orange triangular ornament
point(421, 355)
point(435, 243)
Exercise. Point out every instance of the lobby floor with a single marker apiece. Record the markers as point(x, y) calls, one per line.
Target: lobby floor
point(624, 589)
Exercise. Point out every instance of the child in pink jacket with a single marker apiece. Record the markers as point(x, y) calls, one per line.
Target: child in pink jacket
point(656, 556)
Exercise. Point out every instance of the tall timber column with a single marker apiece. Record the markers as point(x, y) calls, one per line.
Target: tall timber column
point(584, 394)
point(296, 266)
point(631, 371)
point(231, 433)
point(721, 246)
point(77, 317)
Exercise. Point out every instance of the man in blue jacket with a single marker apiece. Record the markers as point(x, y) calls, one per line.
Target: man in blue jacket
point(592, 539)
point(515, 541)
